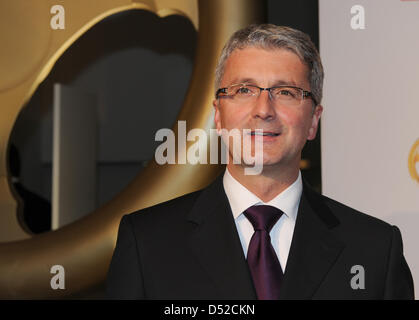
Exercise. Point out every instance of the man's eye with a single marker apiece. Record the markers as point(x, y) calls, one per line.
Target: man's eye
point(285, 93)
point(243, 90)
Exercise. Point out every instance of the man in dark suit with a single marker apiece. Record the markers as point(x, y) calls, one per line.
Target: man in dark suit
point(269, 235)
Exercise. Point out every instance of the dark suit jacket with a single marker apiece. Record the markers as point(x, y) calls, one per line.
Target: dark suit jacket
point(189, 248)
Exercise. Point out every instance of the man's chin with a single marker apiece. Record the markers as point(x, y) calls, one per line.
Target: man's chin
point(254, 167)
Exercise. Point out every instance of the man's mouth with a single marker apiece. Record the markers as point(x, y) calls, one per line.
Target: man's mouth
point(264, 133)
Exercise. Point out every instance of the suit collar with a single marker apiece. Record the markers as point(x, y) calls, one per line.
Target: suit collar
point(216, 244)
point(314, 248)
point(240, 198)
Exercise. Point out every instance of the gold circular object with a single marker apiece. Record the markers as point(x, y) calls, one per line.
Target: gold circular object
point(413, 160)
point(84, 248)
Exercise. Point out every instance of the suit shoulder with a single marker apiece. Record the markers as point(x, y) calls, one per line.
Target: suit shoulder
point(354, 218)
point(167, 211)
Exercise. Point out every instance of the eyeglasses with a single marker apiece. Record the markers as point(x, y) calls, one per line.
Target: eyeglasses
point(285, 95)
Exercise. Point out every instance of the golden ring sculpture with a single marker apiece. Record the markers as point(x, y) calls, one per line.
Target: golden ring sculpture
point(30, 48)
point(413, 160)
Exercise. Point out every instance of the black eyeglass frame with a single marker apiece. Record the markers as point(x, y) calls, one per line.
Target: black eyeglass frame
point(305, 94)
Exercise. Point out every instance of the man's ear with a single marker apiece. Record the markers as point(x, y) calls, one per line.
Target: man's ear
point(315, 122)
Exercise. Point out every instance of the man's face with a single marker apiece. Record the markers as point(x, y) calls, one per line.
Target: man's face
point(294, 125)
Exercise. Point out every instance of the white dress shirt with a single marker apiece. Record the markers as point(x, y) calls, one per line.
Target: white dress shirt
point(287, 201)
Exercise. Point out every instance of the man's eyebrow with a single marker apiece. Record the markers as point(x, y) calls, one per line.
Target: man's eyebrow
point(244, 80)
point(254, 82)
point(284, 83)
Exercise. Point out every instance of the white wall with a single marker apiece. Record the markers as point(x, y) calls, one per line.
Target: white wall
point(371, 112)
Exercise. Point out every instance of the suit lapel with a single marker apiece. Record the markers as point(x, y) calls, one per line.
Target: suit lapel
point(217, 247)
point(216, 244)
point(314, 249)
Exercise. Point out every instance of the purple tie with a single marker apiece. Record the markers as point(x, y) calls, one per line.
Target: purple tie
point(263, 263)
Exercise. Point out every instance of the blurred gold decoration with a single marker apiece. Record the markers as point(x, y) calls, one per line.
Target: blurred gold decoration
point(413, 160)
point(305, 164)
point(30, 48)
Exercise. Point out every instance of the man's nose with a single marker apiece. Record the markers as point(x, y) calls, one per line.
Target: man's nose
point(264, 107)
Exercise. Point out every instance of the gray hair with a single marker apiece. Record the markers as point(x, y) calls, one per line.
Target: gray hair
point(270, 36)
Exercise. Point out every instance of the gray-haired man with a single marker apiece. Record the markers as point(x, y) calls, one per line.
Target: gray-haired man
point(265, 236)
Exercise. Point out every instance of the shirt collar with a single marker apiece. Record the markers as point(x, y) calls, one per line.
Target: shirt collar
point(241, 198)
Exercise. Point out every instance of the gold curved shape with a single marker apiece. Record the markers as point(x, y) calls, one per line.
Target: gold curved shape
point(413, 160)
point(83, 17)
point(85, 247)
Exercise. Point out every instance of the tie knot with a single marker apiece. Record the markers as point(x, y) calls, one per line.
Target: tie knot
point(263, 217)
